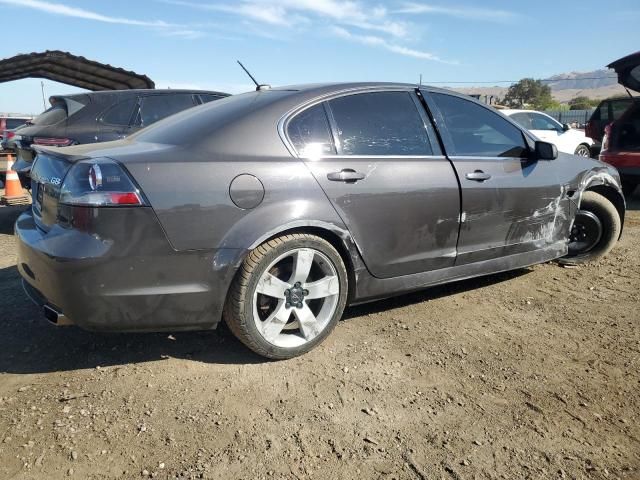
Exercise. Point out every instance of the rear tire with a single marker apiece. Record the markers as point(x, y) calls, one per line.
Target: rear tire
point(595, 231)
point(288, 296)
point(583, 150)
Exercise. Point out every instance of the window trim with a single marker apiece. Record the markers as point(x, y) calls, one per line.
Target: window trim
point(447, 141)
point(283, 123)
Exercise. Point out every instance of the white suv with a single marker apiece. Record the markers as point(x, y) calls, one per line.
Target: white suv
point(547, 128)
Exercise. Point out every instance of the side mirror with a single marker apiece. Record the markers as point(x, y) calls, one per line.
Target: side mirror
point(546, 151)
point(566, 127)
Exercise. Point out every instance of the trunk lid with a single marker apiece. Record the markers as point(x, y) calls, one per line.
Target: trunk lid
point(47, 176)
point(628, 70)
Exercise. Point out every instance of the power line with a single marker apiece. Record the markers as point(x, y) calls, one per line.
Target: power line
point(516, 81)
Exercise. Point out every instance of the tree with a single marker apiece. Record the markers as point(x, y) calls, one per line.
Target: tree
point(529, 93)
point(582, 103)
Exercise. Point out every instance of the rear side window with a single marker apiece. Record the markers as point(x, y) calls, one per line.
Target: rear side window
point(477, 131)
point(379, 123)
point(15, 123)
point(618, 107)
point(157, 107)
point(51, 116)
point(120, 113)
point(309, 133)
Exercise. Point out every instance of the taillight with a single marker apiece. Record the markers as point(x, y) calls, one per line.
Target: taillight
point(53, 142)
point(10, 135)
point(99, 182)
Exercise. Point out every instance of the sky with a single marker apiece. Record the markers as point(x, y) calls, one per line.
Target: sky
point(195, 44)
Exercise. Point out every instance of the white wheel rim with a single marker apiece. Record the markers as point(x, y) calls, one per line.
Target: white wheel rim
point(292, 311)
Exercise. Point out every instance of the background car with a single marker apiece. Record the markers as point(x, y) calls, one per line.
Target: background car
point(621, 143)
point(101, 117)
point(567, 139)
point(11, 122)
point(608, 111)
point(294, 202)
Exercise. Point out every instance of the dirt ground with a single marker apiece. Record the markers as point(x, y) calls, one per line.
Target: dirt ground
point(533, 374)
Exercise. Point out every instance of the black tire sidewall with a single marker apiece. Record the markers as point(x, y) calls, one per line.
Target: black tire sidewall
point(267, 348)
point(611, 225)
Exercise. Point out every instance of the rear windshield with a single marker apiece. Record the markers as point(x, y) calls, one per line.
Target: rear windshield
point(51, 116)
point(195, 124)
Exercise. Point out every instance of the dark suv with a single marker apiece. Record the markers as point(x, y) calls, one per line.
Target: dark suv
point(621, 142)
point(608, 111)
point(101, 116)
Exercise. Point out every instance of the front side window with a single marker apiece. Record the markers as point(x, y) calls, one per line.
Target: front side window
point(477, 131)
point(157, 107)
point(542, 122)
point(379, 123)
point(120, 113)
point(310, 134)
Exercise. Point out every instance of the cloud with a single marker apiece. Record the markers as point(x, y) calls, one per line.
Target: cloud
point(470, 13)
point(374, 41)
point(296, 13)
point(67, 11)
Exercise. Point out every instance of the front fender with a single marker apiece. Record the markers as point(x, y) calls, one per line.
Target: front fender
point(604, 180)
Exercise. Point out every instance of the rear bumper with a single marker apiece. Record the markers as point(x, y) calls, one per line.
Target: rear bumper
point(627, 163)
point(120, 273)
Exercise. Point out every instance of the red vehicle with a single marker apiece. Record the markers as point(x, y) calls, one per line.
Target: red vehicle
point(621, 142)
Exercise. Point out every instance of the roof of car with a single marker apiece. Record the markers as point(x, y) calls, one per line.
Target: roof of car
point(336, 87)
point(143, 90)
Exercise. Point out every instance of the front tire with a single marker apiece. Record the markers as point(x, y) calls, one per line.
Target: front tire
point(288, 296)
point(595, 230)
point(583, 151)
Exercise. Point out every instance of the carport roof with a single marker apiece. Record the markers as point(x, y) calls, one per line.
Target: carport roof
point(73, 70)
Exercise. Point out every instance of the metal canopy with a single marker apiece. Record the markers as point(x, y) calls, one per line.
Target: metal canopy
point(66, 68)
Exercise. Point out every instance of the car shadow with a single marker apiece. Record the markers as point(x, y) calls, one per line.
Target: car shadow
point(431, 293)
point(29, 344)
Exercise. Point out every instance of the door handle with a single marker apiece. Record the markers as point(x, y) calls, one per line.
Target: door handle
point(347, 175)
point(478, 176)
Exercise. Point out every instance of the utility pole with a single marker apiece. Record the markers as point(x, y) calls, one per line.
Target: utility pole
point(44, 104)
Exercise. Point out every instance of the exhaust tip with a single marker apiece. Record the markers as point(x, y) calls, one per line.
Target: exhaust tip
point(54, 316)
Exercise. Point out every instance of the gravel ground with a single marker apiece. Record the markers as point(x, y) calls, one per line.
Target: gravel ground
point(532, 374)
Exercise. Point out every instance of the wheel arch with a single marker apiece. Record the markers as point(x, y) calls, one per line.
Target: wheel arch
point(340, 239)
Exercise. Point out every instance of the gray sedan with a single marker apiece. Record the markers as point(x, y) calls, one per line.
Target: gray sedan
point(275, 209)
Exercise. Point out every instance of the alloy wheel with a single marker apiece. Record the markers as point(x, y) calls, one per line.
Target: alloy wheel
point(583, 151)
point(296, 297)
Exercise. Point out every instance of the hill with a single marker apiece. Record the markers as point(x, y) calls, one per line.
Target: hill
point(597, 84)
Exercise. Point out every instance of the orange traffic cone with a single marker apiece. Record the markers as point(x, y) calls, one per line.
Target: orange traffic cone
point(13, 192)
